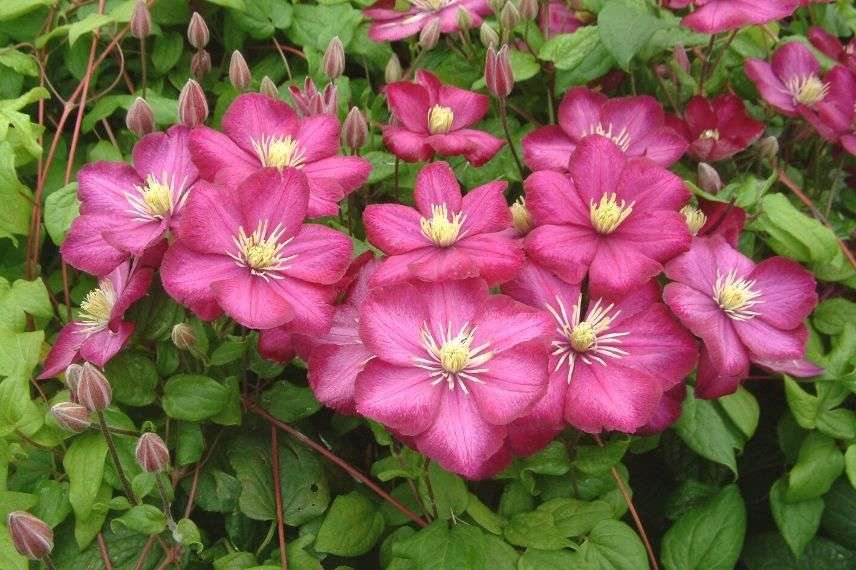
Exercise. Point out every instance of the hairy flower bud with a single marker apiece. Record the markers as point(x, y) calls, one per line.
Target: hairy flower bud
point(528, 9)
point(681, 58)
point(200, 63)
point(465, 20)
point(333, 62)
point(355, 130)
point(197, 31)
point(71, 417)
point(509, 17)
point(31, 537)
point(72, 378)
point(488, 36)
point(151, 453)
point(192, 106)
point(239, 72)
point(392, 72)
point(93, 389)
point(141, 20)
point(708, 178)
point(497, 72)
point(430, 34)
point(496, 6)
point(268, 87)
point(183, 337)
point(140, 119)
point(768, 147)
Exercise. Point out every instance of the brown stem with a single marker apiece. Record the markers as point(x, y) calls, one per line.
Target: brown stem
point(145, 553)
point(114, 455)
point(503, 116)
point(105, 554)
point(277, 493)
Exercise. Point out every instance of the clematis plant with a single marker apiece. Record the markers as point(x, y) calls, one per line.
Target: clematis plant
point(717, 129)
point(714, 16)
point(791, 82)
point(390, 24)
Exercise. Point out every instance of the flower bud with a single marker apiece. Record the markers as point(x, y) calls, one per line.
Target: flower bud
point(141, 20)
point(333, 62)
point(183, 337)
point(521, 218)
point(497, 72)
point(197, 31)
point(393, 71)
point(268, 87)
point(200, 63)
point(694, 218)
point(496, 6)
point(768, 147)
point(465, 20)
point(708, 178)
point(528, 9)
point(151, 453)
point(430, 35)
point(31, 537)
point(509, 17)
point(72, 378)
point(355, 130)
point(71, 417)
point(93, 389)
point(488, 36)
point(192, 106)
point(239, 72)
point(681, 57)
point(140, 120)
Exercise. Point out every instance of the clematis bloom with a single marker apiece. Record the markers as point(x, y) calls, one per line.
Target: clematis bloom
point(715, 16)
point(833, 48)
point(125, 209)
point(742, 312)
point(790, 81)
point(310, 101)
point(453, 367)
point(99, 333)
point(614, 218)
point(835, 117)
point(717, 129)
point(432, 118)
point(389, 24)
point(260, 132)
point(556, 18)
point(635, 124)
point(245, 251)
point(446, 236)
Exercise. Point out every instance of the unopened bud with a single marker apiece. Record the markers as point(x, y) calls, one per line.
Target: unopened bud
point(151, 453)
point(694, 218)
point(268, 87)
point(72, 378)
point(31, 537)
point(496, 6)
point(200, 63)
point(141, 20)
point(93, 389)
point(183, 337)
point(71, 417)
point(430, 35)
point(528, 9)
point(488, 36)
point(355, 130)
point(681, 57)
point(465, 20)
point(197, 31)
point(497, 72)
point(768, 147)
point(521, 218)
point(192, 106)
point(708, 178)
point(392, 72)
point(333, 62)
point(140, 119)
point(239, 72)
point(509, 17)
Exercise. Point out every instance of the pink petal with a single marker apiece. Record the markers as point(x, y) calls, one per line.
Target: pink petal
point(310, 303)
point(398, 25)
point(551, 198)
point(333, 178)
point(394, 228)
point(407, 145)
point(547, 148)
point(136, 287)
point(617, 267)
point(668, 411)
point(187, 276)
point(333, 373)
point(596, 167)
point(712, 383)
point(102, 187)
point(211, 218)
point(504, 323)
point(663, 145)
point(771, 343)
point(799, 367)
point(64, 351)
point(477, 147)
point(452, 304)
point(409, 103)
point(468, 107)
point(537, 287)
point(321, 254)
point(252, 301)
point(435, 185)
point(219, 159)
point(651, 187)
point(637, 116)
point(580, 110)
point(276, 198)
point(100, 347)
point(706, 259)
point(787, 291)
point(565, 250)
point(253, 117)
point(86, 249)
point(166, 156)
point(543, 422)
point(661, 235)
point(136, 237)
point(277, 344)
point(497, 256)
point(390, 322)
point(486, 209)
point(722, 15)
point(444, 264)
point(396, 268)
point(794, 60)
point(319, 137)
point(397, 396)
point(770, 86)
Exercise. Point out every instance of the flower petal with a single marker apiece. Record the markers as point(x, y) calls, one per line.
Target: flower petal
point(407, 145)
point(318, 137)
point(103, 186)
point(187, 276)
point(253, 117)
point(64, 351)
point(252, 301)
point(552, 198)
point(580, 110)
point(394, 228)
point(166, 156)
point(100, 347)
point(547, 148)
point(596, 167)
point(210, 219)
point(321, 254)
point(332, 374)
point(565, 250)
point(435, 185)
point(771, 343)
point(504, 323)
point(219, 159)
point(409, 103)
point(787, 292)
point(497, 256)
point(400, 397)
point(486, 209)
point(390, 323)
point(276, 198)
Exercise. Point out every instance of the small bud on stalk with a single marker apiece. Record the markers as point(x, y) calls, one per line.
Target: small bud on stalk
point(72, 378)
point(393, 71)
point(71, 417)
point(496, 6)
point(681, 58)
point(31, 537)
point(708, 178)
point(465, 20)
point(430, 35)
point(151, 453)
point(488, 36)
point(239, 72)
point(768, 147)
point(197, 31)
point(268, 87)
point(141, 20)
point(497, 72)
point(355, 130)
point(93, 389)
point(333, 62)
point(528, 9)
point(182, 336)
point(140, 119)
point(509, 17)
point(200, 63)
point(192, 106)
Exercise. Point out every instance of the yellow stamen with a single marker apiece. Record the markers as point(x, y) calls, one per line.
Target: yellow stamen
point(441, 229)
point(96, 307)
point(620, 138)
point(455, 354)
point(279, 152)
point(157, 197)
point(440, 119)
point(710, 134)
point(694, 218)
point(520, 216)
point(736, 296)
point(583, 336)
point(261, 251)
point(609, 213)
point(807, 89)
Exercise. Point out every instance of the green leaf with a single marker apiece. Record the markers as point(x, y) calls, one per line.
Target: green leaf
point(191, 443)
point(612, 545)
point(61, 208)
point(229, 351)
point(819, 464)
point(142, 519)
point(10, 10)
point(832, 315)
point(449, 492)
point(804, 406)
point(523, 65)
point(20, 298)
point(166, 51)
point(53, 506)
point(193, 398)
point(536, 529)
point(484, 516)
point(315, 25)
point(838, 521)
point(9, 557)
point(625, 29)
point(552, 460)
point(15, 501)
point(768, 551)
point(133, 377)
point(797, 521)
point(289, 403)
point(261, 18)
point(84, 466)
point(88, 24)
point(708, 537)
point(707, 430)
point(438, 547)
point(580, 57)
point(15, 197)
point(594, 459)
point(187, 533)
point(19, 62)
point(850, 464)
point(534, 559)
point(351, 527)
point(233, 4)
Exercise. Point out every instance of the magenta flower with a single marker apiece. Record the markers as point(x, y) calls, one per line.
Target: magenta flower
point(718, 129)
point(453, 367)
point(260, 132)
point(790, 81)
point(389, 24)
point(99, 333)
point(556, 18)
point(246, 252)
point(431, 118)
point(446, 236)
point(833, 48)
point(834, 118)
point(612, 359)
point(743, 312)
point(615, 219)
point(309, 101)
point(668, 411)
point(723, 219)
point(635, 124)
point(126, 209)
point(715, 16)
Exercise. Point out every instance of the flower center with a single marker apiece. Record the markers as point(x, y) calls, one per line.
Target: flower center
point(710, 134)
point(736, 296)
point(521, 218)
point(279, 152)
point(694, 218)
point(442, 229)
point(261, 251)
point(583, 337)
point(155, 199)
point(620, 138)
point(96, 307)
point(440, 119)
point(608, 214)
point(453, 359)
point(807, 89)
point(430, 5)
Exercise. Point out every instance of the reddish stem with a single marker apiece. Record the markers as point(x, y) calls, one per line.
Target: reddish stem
point(277, 492)
point(105, 555)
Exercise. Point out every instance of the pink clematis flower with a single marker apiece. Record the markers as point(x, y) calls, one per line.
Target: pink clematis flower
point(833, 48)
point(715, 16)
point(431, 118)
point(260, 132)
point(246, 252)
point(99, 333)
point(612, 360)
point(791, 81)
point(668, 411)
point(615, 218)
point(446, 236)
point(389, 24)
point(453, 367)
point(635, 124)
point(309, 101)
point(834, 118)
point(125, 210)
point(718, 129)
point(743, 312)
point(556, 18)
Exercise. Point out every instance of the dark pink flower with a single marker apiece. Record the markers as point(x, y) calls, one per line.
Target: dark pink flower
point(309, 101)
point(635, 124)
point(834, 118)
point(245, 251)
point(446, 236)
point(389, 24)
point(614, 218)
point(99, 333)
point(723, 219)
point(743, 312)
point(715, 16)
point(556, 18)
point(668, 411)
point(718, 129)
point(790, 81)
point(431, 118)
point(453, 367)
point(612, 360)
point(833, 48)
point(260, 132)
point(124, 209)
